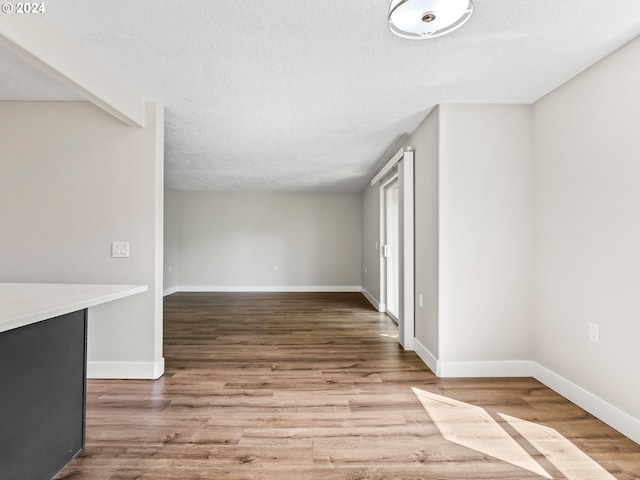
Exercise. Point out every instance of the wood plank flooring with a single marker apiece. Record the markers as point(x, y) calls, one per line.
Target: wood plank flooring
point(313, 386)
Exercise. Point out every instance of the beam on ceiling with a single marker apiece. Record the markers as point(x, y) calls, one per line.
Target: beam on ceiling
point(38, 43)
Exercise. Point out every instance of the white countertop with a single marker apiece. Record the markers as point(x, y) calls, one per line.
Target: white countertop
point(26, 303)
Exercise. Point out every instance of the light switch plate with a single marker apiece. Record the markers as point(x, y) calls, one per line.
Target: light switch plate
point(120, 249)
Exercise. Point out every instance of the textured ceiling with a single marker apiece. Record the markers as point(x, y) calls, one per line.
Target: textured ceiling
point(281, 95)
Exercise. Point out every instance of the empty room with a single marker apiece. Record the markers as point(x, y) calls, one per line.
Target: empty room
point(336, 240)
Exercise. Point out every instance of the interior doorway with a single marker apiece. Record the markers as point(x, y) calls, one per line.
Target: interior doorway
point(391, 249)
point(396, 186)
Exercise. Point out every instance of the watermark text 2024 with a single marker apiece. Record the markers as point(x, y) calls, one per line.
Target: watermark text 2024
point(23, 8)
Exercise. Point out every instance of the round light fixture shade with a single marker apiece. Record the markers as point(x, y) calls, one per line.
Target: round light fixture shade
point(421, 19)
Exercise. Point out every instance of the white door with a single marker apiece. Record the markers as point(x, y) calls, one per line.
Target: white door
point(396, 241)
point(391, 249)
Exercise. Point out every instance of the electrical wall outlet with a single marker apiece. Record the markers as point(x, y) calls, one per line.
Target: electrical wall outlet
point(120, 249)
point(594, 332)
point(365, 270)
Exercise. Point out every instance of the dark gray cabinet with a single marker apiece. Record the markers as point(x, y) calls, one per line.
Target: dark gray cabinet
point(42, 396)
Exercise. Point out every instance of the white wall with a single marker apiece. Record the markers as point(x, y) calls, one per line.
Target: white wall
point(235, 240)
point(73, 180)
point(425, 141)
point(486, 234)
point(170, 240)
point(587, 180)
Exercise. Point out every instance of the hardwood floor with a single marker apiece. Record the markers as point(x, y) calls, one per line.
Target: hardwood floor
point(314, 386)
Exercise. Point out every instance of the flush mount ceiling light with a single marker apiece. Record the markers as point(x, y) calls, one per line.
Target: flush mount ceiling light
point(421, 19)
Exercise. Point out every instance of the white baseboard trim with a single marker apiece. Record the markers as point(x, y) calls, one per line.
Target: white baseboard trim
point(126, 370)
point(426, 356)
point(596, 406)
point(381, 307)
point(169, 291)
point(495, 369)
point(271, 288)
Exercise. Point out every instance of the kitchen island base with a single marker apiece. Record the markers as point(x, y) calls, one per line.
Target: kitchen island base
point(43, 387)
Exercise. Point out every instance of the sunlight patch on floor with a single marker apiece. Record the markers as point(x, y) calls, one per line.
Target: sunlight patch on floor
point(474, 428)
point(564, 455)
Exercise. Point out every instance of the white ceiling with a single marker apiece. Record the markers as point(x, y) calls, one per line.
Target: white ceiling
point(265, 95)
